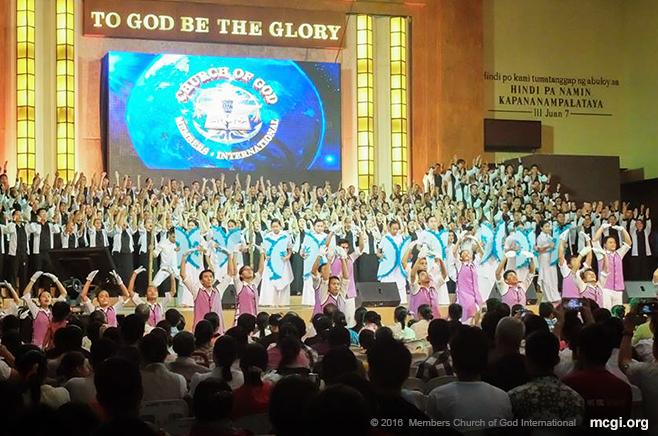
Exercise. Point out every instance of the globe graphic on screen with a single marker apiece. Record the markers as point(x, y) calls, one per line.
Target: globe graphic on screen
point(221, 115)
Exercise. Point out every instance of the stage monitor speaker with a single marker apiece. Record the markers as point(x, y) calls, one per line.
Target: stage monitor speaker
point(228, 299)
point(639, 290)
point(78, 263)
point(376, 294)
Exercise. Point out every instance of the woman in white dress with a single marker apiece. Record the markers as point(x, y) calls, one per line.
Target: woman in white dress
point(275, 287)
point(547, 273)
point(397, 274)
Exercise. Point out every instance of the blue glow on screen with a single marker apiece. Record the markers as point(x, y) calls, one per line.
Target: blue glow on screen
point(178, 112)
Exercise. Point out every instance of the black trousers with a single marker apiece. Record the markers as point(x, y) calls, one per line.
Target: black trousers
point(124, 264)
point(19, 271)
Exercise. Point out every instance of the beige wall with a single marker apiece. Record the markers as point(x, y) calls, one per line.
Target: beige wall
point(615, 39)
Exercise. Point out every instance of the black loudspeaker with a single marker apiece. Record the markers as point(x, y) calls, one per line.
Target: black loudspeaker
point(78, 263)
point(376, 294)
point(639, 290)
point(228, 299)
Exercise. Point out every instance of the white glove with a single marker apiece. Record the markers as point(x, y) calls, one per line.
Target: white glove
point(528, 254)
point(91, 275)
point(618, 228)
point(599, 251)
point(323, 251)
point(7, 285)
point(336, 228)
point(340, 252)
point(606, 226)
point(586, 236)
point(462, 234)
point(510, 254)
point(139, 270)
point(36, 276)
point(117, 277)
point(424, 251)
point(565, 236)
point(52, 277)
point(585, 251)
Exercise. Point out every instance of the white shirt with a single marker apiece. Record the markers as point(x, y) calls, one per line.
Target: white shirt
point(477, 403)
point(89, 307)
point(194, 285)
point(116, 240)
point(237, 378)
point(161, 384)
point(323, 288)
point(168, 255)
point(162, 303)
point(646, 232)
point(36, 241)
point(524, 285)
point(13, 237)
point(239, 284)
point(91, 237)
point(645, 377)
point(81, 389)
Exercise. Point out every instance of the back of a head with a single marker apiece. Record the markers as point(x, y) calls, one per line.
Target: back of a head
point(329, 309)
point(425, 312)
point(469, 351)
point(372, 317)
point(118, 387)
point(70, 338)
point(594, 345)
point(510, 331)
point(455, 311)
point(184, 343)
point(175, 318)
point(203, 332)
point(489, 322)
point(297, 322)
point(240, 335)
point(253, 363)
point(32, 367)
point(213, 400)
point(153, 348)
point(339, 319)
point(60, 311)
point(545, 309)
point(101, 350)
point(247, 322)
point(359, 315)
point(10, 322)
point(355, 413)
point(534, 323)
point(366, 339)
point(214, 320)
point(615, 330)
point(492, 304)
point(289, 404)
point(438, 334)
point(389, 362)
point(262, 320)
point(339, 337)
point(132, 329)
point(143, 312)
point(542, 350)
point(336, 363)
point(224, 354)
point(384, 333)
point(322, 326)
point(503, 309)
point(69, 364)
point(601, 314)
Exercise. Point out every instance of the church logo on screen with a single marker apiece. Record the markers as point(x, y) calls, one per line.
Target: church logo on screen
point(221, 113)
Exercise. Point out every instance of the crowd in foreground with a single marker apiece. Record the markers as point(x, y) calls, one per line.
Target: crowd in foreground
point(564, 368)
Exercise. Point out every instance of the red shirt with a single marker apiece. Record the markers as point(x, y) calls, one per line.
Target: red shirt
point(251, 400)
point(605, 395)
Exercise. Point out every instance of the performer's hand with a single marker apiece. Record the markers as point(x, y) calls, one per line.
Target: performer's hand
point(91, 275)
point(139, 270)
point(36, 276)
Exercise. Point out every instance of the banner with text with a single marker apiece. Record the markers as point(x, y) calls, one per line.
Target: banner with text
point(202, 22)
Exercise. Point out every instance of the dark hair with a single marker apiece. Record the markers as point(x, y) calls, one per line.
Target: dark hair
point(455, 311)
point(132, 329)
point(24, 364)
point(384, 333)
point(275, 320)
point(153, 348)
point(12, 340)
point(339, 337)
point(372, 317)
point(203, 332)
point(339, 319)
point(143, 311)
point(438, 334)
point(359, 315)
point(389, 362)
point(205, 271)
point(288, 344)
point(296, 321)
point(213, 400)
point(175, 318)
point(247, 322)
point(289, 402)
point(355, 411)
point(545, 309)
point(338, 362)
point(400, 314)
point(10, 322)
point(594, 345)
point(469, 350)
point(261, 323)
point(69, 364)
point(541, 224)
point(366, 339)
point(602, 314)
point(507, 273)
point(253, 363)
point(489, 322)
point(425, 312)
point(615, 329)
point(241, 337)
point(516, 309)
point(534, 323)
point(330, 308)
point(60, 311)
point(213, 317)
point(184, 343)
point(224, 354)
point(101, 350)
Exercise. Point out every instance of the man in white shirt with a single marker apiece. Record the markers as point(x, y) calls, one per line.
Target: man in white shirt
point(469, 403)
point(157, 381)
point(614, 286)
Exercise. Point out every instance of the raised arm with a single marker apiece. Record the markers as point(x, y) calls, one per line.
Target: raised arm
point(172, 281)
point(12, 291)
point(501, 269)
point(85, 288)
point(60, 288)
point(133, 278)
point(30, 284)
point(124, 291)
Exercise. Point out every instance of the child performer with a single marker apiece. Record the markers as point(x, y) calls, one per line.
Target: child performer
point(587, 283)
point(547, 273)
point(103, 298)
point(336, 270)
point(569, 288)
point(614, 286)
point(424, 286)
point(275, 289)
point(329, 289)
point(468, 292)
point(206, 293)
point(511, 288)
point(246, 286)
point(41, 314)
point(156, 309)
